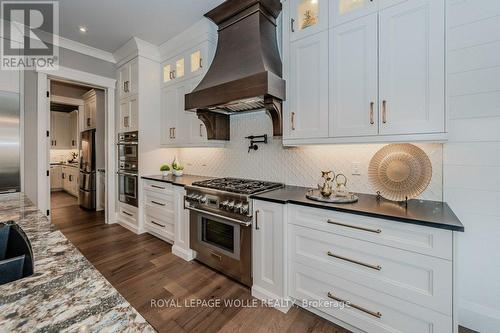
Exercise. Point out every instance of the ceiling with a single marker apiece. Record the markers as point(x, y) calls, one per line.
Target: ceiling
point(111, 23)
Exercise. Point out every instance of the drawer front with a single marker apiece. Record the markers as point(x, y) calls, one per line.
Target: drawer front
point(415, 238)
point(127, 213)
point(362, 307)
point(160, 201)
point(412, 277)
point(158, 187)
point(159, 223)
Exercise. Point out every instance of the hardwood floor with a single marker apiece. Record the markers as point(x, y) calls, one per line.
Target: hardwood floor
point(142, 268)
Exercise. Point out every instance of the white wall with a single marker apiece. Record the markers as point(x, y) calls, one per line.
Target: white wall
point(294, 166)
point(472, 157)
point(30, 142)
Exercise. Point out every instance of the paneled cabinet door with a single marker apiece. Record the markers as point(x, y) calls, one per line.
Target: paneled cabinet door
point(169, 102)
point(128, 78)
point(354, 78)
point(307, 17)
point(74, 129)
point(123, 80)
point(268, 255)
point(342, 11)
point(412, 68)
point(55, 177)
point(307, 113)
point(129, 109)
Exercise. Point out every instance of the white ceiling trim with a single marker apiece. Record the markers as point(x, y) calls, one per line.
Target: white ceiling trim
point(86, 49)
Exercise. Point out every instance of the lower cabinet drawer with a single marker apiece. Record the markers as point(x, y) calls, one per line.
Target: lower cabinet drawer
point(406, 236)
point(416, 278)
point(360, 306)
point(158, 187)
point(160, 201)
point(127, 213)
point(163, 224)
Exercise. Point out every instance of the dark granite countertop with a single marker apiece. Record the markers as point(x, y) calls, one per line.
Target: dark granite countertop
point(65, 293)
point(423, 212)
point(184, 180)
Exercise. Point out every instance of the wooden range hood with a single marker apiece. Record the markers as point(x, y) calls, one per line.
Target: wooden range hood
point(246, 73)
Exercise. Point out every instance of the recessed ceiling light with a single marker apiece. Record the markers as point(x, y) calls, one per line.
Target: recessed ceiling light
point(82, 29)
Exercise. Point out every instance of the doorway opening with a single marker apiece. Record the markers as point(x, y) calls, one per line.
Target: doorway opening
point(77, 146)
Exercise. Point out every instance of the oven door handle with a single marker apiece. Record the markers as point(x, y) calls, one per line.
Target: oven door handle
point(246, 224)
point(127, 174)
point(134, 143)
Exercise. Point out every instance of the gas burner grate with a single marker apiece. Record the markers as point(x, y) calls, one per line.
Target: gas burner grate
point(237, 185)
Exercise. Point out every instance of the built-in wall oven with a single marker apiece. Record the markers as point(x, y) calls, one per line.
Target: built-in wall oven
point(128, 167)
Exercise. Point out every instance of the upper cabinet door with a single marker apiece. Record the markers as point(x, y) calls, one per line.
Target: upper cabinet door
point(307, 112)
point(412, 68)
point(342, 11)
point(354, 78)
point(123, 79)
point(307, 17)
point(134, 77)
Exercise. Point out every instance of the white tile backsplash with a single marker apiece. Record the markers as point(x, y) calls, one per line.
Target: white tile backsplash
point(61, 155)
point(294, 166)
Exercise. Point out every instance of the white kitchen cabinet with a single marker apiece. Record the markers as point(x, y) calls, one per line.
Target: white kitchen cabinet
point(93, 103)
point(174, 70)
point(171, 114)
point(60, 130)
point(411, 81)
point(56, 177)
point(70, 181)
point(268, 251)
point(307, 17)
point(74, 131)
point(307, 113)
point(397, 277)
point(129, 114)
point(128, 78)
point(354, 78)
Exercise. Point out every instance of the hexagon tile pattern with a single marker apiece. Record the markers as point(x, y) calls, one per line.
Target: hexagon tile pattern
point(299, 166)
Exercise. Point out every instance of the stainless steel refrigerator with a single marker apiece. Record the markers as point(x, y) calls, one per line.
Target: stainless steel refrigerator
point(87, 193)
point(10, 180)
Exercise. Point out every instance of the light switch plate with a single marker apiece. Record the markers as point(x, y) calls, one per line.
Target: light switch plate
point(356, 169)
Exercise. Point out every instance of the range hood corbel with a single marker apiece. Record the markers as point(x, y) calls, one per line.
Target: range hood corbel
point(246, 73)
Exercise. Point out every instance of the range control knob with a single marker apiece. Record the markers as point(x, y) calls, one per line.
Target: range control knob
point(203, 199)
point(224, 204)
point(237, 207)
point(244, 209)
point(230, 205)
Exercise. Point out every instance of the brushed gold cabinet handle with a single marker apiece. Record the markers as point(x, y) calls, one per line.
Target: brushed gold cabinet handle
point(292, 21)
point(201, 130)
point(357, 307)
point(157, 203)
point(372, 121)
point(293, 121)
point(174, 132)
point(375, 267)
point(155, 186)
point(384, 111)
point(257, 220)
point(127, 213)
point(201, 62)
point(377, 231)
point(157, 224)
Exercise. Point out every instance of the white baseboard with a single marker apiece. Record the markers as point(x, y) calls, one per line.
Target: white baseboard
point(187, 255)
point(264, 295)
point(129, 226)
point(478, 317)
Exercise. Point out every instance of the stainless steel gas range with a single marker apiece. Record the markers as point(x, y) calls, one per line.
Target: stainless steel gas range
point(221, 223)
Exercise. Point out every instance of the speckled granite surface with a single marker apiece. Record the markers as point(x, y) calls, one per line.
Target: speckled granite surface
point(66, 293)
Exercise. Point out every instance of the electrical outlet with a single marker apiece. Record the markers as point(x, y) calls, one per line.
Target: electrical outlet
point(355, 169)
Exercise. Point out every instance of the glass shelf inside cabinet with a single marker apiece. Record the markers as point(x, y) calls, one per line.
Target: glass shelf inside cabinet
point(348, 6)
point(195, 61)
point(307, 13)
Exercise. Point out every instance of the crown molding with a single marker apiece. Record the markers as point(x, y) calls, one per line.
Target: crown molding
point(86, 49)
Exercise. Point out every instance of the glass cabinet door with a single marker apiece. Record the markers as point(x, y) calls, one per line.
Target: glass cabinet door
point(346, 10)
point(307, 17)
point(179, 69)
point(196, 61)
point(167, 73)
